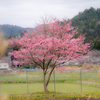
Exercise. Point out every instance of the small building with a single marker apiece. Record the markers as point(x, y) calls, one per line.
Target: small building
point(4, 65)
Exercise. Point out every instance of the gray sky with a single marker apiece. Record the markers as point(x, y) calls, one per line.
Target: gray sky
point(26, 13)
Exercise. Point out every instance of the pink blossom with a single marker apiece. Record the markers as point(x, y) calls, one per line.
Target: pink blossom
point(49, 42)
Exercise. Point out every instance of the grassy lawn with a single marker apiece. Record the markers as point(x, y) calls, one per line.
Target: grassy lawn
point(52, 96)
point(37, 76)
point(21, 88)
point(67, 85)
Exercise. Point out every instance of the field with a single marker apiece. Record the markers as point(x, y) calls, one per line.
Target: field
point(21, 88)
point(70, 81)
point(52, 96)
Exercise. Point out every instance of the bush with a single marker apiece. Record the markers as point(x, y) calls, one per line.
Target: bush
point(28, 66)
point(80, 65)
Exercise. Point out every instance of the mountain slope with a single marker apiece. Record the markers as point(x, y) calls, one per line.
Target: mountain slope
point(12, 30)
point(88, 22)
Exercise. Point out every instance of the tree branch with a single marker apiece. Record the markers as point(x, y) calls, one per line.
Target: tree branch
point(35, 61)
point(48, 64)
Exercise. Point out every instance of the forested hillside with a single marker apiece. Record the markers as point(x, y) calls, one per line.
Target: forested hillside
point(88, 22)
point(11, 30)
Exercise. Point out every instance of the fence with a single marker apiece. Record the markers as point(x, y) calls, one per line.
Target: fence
point(28, 81)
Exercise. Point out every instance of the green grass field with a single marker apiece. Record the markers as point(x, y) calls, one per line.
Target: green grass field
point(52, 96)
point(67, 85)
point(37, 76)
point(66, 82)
point(21, 88)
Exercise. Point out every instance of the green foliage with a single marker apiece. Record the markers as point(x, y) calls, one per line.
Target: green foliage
point(56, 95)
point(80, 65)
point(97, 45)
point(88, 23)
point(28, 66)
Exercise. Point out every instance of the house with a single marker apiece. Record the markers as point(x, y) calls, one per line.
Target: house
point(4, 66)
point(5, 63)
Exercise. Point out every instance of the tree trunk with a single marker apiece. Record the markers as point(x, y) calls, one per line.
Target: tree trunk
point(48, 80)
point(50, 76)
point(44, 78)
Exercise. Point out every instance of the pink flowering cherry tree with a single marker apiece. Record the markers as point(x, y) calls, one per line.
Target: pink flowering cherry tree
point(48, 43)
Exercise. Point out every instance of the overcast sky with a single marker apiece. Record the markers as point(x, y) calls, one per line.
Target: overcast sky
point(26, 13)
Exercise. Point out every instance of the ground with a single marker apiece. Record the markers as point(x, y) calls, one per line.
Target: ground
point(55, 96)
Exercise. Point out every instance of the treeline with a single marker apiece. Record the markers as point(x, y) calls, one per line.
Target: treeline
point(11, 30)
point(88, 23)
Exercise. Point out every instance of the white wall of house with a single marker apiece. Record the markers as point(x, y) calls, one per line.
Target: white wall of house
point(4, 65)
